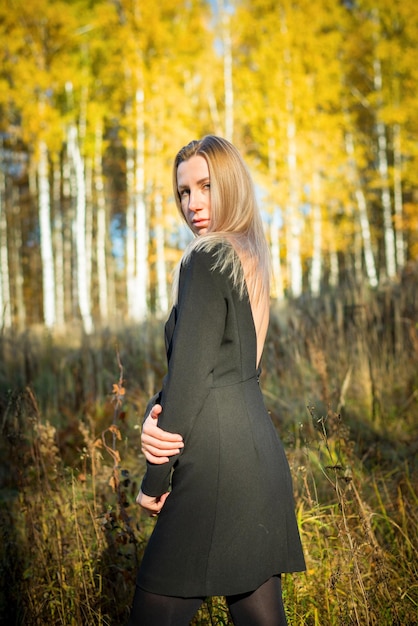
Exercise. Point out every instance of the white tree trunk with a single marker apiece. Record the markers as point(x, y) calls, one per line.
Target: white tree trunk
point(68, 240)
point(278, 287)
point(316, 269)
point(15, 260)
point(362, 211)
point(276, 218)
point(382, 162)
point(162, 292)
point(397, 196)
point(130, 231)
point(58, 243)
point(48, 274)
point(88, 186)
point(5, 302)
point(142, 234)
point(136, 218)
point(228, 84)
point(293, 219)
point(367, 239)
point(80, 231)
point(101, 229)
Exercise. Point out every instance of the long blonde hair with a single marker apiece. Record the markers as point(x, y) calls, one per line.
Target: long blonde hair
point(235, 217)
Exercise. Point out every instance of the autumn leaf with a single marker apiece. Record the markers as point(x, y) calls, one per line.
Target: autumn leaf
point(113, 482)
point(118, 389)
point(115, 430)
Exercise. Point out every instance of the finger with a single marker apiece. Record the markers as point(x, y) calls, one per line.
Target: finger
point(150, 451)
point(158, 446)
point(154, 444)
point(155, 411)
point(156, 460)
point(160, 452)
point(159, 435)
point(161, 503)
point(163, 498)
point(151, 426)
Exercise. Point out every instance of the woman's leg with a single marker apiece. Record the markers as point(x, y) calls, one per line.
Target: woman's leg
point(151, 609)
point(262, 607)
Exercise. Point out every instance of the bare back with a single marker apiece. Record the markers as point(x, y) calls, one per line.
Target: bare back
point(260, 304)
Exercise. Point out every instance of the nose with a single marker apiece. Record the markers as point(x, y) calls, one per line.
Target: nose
point(194, 202)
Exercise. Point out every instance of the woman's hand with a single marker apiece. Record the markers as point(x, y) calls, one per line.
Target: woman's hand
point(157, 444)
point(151, 504)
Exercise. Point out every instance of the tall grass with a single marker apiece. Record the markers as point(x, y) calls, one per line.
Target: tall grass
point(341, 382)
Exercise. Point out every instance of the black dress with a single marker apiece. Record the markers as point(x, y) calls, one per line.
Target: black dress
point(229, 522)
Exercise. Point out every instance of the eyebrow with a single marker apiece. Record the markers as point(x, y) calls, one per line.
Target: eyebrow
point(199, 182)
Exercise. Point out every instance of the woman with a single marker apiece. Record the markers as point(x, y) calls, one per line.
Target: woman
point(226, 523)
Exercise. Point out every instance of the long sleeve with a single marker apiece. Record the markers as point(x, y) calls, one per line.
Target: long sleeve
point(192, 356)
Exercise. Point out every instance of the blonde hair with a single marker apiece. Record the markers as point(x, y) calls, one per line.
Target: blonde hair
point(235, 217)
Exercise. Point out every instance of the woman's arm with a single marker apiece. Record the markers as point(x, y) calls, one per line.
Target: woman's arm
point(157, 444)
point(192, 357)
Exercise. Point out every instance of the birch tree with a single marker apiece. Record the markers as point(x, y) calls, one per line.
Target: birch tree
point(68, 213)
point(402, 55)
point(142, 229)
point(131, 38)
point(382, 164)
point(298, 99)
point(58, 246)
point(276, 219)
point(80, 229)
point(44, 203)
point(5, 300)
point(360, 198)
point(225, 30)
point(398, 196)
point(130, 233)
point(101, 235)
point(162, 293)
point(378, 78)
point(316, 267)
point(396, 27)
point(21, 309)
point(136, 216)
point(293, 218)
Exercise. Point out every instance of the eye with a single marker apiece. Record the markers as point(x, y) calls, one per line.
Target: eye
point(184, 193)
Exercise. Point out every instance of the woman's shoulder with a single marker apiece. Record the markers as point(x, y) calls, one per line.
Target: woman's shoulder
point(203, 261)
point(210, 253)
point(208, 264)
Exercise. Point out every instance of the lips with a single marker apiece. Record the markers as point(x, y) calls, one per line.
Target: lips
point(200, 223)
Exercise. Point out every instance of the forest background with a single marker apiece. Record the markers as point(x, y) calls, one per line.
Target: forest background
point(96, 96)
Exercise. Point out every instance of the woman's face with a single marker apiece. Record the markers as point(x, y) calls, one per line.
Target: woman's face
point(193, 186)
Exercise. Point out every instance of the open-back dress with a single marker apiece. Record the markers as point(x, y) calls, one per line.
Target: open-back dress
point(229, 522)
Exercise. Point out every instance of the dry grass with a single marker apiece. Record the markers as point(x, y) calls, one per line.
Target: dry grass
point(341, 382)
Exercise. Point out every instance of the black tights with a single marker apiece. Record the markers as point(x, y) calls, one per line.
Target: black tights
point(262, 607)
